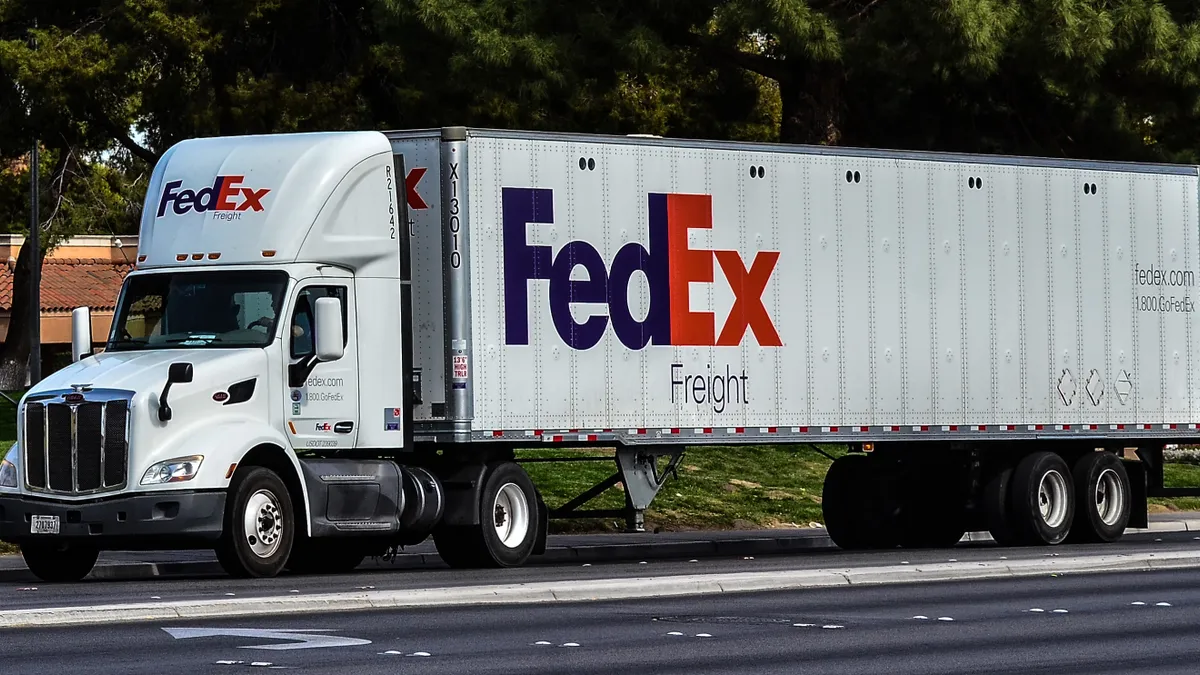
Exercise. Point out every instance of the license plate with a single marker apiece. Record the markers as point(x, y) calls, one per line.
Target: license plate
point(44, 525)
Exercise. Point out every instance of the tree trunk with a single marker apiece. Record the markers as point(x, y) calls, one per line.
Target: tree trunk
point(14, 353)
point(812, 102)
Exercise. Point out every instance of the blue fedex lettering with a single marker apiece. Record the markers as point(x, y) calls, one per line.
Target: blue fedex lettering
point(670, 266)
point(218, 197)
point(524, 263)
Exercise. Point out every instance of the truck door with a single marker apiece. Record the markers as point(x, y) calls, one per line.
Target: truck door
point(322, 398)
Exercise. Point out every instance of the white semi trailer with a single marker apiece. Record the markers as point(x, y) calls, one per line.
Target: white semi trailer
point(333, 343)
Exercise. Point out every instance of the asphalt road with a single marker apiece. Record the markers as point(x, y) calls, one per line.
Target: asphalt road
point(972, 627)
point(376, 576)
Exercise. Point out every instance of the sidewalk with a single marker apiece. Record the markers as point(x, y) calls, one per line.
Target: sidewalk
point(576, 548)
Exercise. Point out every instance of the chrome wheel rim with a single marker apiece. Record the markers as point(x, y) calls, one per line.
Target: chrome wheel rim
point(511, 515)
point(1052, 498)
point(263, 520)
point(1110, 497)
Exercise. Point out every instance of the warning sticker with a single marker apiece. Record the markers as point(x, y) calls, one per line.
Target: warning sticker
point(460, 366)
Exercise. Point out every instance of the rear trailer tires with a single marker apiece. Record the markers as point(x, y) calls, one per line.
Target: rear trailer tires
point(509, 522)
point(59, 562)
point(259, 527)
point(1042, 497)
point(1103, 498)
point(996, 499)
point(853, 503)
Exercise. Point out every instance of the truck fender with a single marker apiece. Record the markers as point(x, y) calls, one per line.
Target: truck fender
point(241, 442)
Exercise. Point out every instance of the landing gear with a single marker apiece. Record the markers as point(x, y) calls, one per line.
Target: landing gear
point(509, 522)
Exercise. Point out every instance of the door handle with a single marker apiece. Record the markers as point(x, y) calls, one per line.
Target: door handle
point(343, 427)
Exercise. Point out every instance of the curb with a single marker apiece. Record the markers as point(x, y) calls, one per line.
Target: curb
point(596, 590)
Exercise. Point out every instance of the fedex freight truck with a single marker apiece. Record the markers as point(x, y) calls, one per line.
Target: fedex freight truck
point(332, 344)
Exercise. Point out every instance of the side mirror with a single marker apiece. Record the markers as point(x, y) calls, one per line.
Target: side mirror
point(328, 335)
point(81, 333)
point(178, 373)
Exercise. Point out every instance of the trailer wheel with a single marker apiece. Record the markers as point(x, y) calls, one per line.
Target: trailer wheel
point(1103, 497)
point(1043, 499)
point(509, 523)
point(853, 505)
point(59, 562)
point(997, 496)
point(259, 525)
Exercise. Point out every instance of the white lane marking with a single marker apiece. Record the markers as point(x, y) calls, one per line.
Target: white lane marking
point(390, 652)
point(1162, 604)
point(541, 643)
point(703, 635)
point(1037, 610)
point(921, 617)
point(675, 633)
point(570, 644)
point(804, 625)
point(261, 664)
point(944, 618)
point(1060, 611)
point(1139, 603)
point(832, 627)
point(297, 638)
point(229, 663)
point(421, 654)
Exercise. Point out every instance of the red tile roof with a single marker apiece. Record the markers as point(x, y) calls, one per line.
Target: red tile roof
point(68, 283)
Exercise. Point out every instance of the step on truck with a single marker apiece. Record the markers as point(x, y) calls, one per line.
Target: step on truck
point(333, 344)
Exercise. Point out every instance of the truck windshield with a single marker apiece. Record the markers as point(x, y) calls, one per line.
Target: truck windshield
point(198, 309)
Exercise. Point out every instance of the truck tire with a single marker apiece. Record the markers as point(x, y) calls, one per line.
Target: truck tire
point(854, 506)
point(1042, 499)
point(1103, 498)
point(509, 523)
point(259, 526)
point(931, 513)
point(997, 495)
point(59, 562)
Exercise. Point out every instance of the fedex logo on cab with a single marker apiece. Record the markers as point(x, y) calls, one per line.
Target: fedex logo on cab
point(669, 265)
point(227, 198)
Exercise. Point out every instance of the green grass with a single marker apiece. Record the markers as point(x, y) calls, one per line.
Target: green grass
point(1178, 475)
point(716, 488)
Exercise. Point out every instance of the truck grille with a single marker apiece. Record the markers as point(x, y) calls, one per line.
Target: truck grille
point(76, 446)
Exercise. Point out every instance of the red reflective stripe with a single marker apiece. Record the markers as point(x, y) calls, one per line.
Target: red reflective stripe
point(497, 434)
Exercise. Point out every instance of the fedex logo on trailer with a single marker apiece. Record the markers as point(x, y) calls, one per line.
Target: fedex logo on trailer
point(669, 265)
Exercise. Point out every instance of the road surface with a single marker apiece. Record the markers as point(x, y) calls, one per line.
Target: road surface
point(28, 595)
point(1085, 624)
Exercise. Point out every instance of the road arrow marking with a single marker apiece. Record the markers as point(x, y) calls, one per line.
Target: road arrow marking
point(296, 638)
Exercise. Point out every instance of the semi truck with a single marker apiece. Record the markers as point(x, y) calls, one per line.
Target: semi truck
point(334, 344)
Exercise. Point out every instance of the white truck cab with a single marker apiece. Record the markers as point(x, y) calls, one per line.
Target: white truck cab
point(264, 321)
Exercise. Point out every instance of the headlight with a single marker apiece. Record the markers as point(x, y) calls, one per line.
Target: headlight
point(8, 468)
point(173, 470)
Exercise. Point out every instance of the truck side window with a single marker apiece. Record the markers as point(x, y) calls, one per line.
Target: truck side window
point(302, 318)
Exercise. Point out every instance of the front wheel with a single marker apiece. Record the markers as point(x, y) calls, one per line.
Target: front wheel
point(61, 562)
point(509, 523)
point(259, 525)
